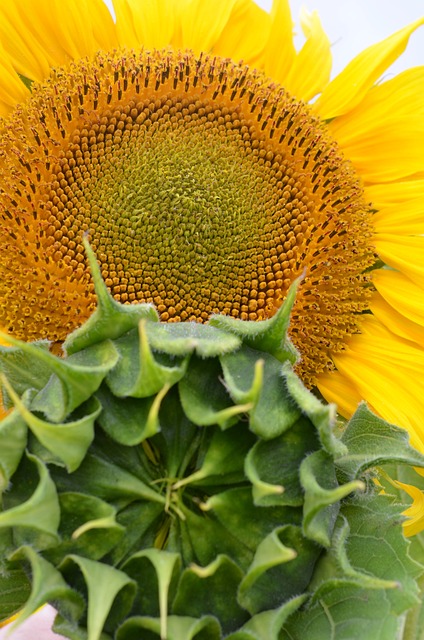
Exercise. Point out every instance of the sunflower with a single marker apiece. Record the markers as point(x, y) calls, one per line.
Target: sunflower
point(211, 164)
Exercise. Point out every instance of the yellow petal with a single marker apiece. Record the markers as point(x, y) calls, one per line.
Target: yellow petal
point(311, 69)
point(404, 218)
point(336, 388)
point(414, 513)
point(280, 51)
point(390, 117)
point(387, 372)
point(244, 36)
point(40, 35)
point(12, 89)
point(202, 23)
point(350, 86)
point(26, 52)
point(404, 253)
point(388, 193)
point(395, 321)
point(401, 293)
point(149, 24)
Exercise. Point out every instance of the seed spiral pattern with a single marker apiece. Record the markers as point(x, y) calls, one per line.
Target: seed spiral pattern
point(204, 189)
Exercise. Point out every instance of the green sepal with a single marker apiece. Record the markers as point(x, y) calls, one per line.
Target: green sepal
point(268, 336)
point(146, 375)
point(106, 586)
point(68, 441)
point(281, 568)
point(72, 381)
point(48, 586)
point(371, 441)
point(15, 588)
point(130, 421)
point(155, 586)
point(267, 624)
point(322, 496)
point(204, 402)
point(272, 466)
point(235, 507)
point(88, 527)
point(40, 513)
point(141, 521)
point(110, 318)
point(179, 439)
point(69, 629)
point(273, 410)
point(323, 416)
point(13, 440)
point(201, 538)
point(184, 338)
point(200, 591)
point(18, 367)
point(179, 628)
point(223, 460)
point(107, 481)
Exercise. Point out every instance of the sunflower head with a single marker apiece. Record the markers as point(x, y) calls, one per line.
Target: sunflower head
point(204, 188)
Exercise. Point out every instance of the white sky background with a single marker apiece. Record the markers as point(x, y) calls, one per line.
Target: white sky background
point(351, 26)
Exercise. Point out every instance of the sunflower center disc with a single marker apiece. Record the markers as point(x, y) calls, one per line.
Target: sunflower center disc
point(204, 190)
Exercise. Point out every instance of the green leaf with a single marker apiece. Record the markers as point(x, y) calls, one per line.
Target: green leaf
point(13, 440)
point(110, 319)
point(207, 628)
point(48, 585)
point(211, 590)
point(365, 581)
point(204, 402)
point(345, 613)
point(41, 512)
point(269, 336)
point(374, 520)
point(272, 466)
point(165, 564)
point(184, 338)
point(104, 583)
point(68, 441)
point(322, 496)
point(274, 411)
point(371, 441)
point(146, 375)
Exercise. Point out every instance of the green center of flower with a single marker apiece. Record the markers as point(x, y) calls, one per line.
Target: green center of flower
point(204, 190)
